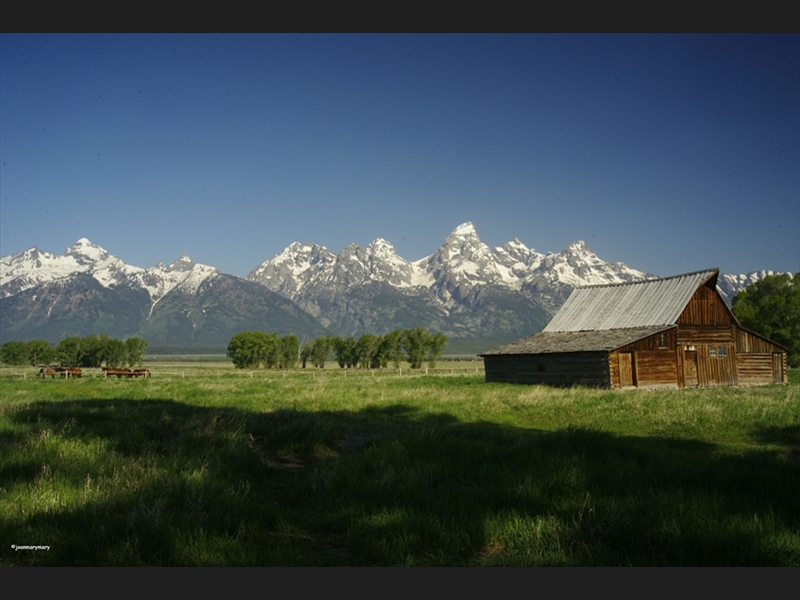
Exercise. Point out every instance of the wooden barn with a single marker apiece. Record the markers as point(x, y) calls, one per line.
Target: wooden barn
point(671, 332)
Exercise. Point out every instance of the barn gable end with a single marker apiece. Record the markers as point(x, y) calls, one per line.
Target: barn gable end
point(672, 332)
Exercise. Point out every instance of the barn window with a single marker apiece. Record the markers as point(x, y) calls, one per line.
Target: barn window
point(662, 340)
point(712, 351)
point(721, 351)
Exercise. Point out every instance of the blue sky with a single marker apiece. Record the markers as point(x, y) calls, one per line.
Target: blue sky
point(670, 153)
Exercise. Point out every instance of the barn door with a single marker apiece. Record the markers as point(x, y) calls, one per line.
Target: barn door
point(690, 368)
point(777, 367)
point(626, 370)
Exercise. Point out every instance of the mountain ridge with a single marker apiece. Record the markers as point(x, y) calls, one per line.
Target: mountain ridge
point(464, 288)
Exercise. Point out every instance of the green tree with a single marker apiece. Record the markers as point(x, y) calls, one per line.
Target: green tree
point(68, 351)
point(390, 349)
point(93, 350)
point(114, 353)
point(320, 351)
point(305, 352)
point(436, 344)
point(289, 349)
point(134, 349)
point(345, 351)
point(40, 353)
point(421, 345)
point(365, 349)
point(272, 350)
point(247, 349)
point(415, 343)
point(771, 307)
point(14, 353)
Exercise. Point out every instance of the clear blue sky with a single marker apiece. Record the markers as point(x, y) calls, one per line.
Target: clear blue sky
point(670, 153)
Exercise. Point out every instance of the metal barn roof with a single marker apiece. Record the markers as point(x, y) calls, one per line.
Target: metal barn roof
point(655, 302)
point(578, 341)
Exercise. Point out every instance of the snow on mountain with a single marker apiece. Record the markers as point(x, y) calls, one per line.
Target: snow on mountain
point(458, 265)
point(518, 258)
point(303, 266)
point(288, 272)
point(24, 270)
point(464, 288)
point(86, 253)
point(33, 267)
point(730, 285)
point(577, 266)
point(385, 265)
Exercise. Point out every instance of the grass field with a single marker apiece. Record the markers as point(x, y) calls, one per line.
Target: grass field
point(204, 465)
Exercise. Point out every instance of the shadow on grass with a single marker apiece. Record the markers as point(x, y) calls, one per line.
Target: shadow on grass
point(786, 436)
point(158, 482)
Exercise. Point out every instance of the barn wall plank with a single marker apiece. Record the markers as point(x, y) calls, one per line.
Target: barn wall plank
point(587, 368)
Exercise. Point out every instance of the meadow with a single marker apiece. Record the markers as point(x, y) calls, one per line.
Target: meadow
point(206, 465)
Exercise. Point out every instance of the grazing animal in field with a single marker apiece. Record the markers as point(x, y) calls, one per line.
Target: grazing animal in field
point(109, 371)
point(141, 373)
point(70, 372)
point(47, 371)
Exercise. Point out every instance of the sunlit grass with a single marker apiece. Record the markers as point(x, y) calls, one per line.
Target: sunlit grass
point(394, 470)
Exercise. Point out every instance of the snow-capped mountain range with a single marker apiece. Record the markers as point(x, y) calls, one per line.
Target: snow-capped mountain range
point(87, 290)
point(19, 272)
point(302, 272)
point(465, 288)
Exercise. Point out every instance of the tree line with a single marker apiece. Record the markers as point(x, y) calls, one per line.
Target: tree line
point(92, 351)
point(771, 307)
point(251, 349)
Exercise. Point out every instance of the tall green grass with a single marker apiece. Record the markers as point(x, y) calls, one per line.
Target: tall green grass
point(389, 470)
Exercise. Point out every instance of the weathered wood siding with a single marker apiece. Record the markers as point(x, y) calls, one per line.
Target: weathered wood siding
point(653, 361)
point(706, 307)
point(780, 364)
point(694, 334)
point(750, 343)
point(573, 368)
point(687, 367)
point(656, 368)
point(712, 368)
point(653, 342)
point(759, 361)
point(754, 369)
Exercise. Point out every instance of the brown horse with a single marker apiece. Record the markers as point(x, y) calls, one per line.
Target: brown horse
point(69, 372)
point(109, 371)
point(141, 373)
point(47, 371)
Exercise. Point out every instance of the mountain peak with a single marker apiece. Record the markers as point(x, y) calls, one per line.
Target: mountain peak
point(579, 251)
point(465, 229)
point(577, 246)
point(85, 252)
point(184, 263)
point(382, 247)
